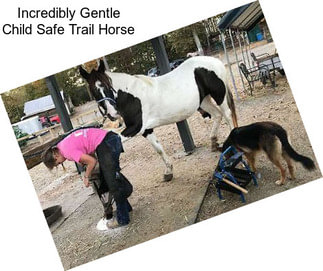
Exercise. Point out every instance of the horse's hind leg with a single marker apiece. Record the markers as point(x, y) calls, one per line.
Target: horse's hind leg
point(227, 114)
point(168, 175)
point(208, 106)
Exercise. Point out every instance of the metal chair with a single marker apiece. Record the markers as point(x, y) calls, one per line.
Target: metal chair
point(258, 73)
point(272, 61)
point(258, 58)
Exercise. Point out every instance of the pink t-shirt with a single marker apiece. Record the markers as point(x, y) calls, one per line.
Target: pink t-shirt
point(83, 141)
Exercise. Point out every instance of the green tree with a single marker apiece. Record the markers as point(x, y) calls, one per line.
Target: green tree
point(14, 103)
point(20, 134)
point(181, 41)
point(35, 90)
point(137, 59)
point(70, 82)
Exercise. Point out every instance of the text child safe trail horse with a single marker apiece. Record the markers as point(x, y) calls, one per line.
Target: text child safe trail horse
point(148, 102)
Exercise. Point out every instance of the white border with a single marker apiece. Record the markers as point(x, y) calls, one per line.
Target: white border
point(280, 232)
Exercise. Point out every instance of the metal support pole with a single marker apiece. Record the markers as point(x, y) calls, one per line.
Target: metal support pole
point(59, 103)
point(60, 108)
point(244, 41)
point(237, 60)
point(229, 65)
point(248, 42)
point(163, 65)
point(241, 49)
point(161, 55)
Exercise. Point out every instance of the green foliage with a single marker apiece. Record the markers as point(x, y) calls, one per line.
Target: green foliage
point(182, 42)
point(36, 90)
point(137, 59)
point(79, 95)
point(14, 104)
point(20, 134)
point(15, 99)
point(69, 81)
point(140, 58)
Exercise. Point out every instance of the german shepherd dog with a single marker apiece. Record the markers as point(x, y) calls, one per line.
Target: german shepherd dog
point(273, 140)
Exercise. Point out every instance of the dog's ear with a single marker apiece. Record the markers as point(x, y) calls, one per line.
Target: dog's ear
point(84, 73)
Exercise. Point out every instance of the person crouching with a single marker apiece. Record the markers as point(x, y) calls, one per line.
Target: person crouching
point(80, 147)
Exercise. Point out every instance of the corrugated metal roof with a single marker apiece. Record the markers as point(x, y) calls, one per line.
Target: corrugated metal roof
point(242, 18)
point(230, 16)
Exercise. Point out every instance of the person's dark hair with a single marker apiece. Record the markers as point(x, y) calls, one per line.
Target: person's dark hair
point(48, 157)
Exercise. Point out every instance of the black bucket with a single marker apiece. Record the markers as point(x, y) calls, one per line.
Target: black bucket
point(52, 214)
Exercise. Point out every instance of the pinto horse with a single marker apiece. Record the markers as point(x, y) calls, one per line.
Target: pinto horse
point(199, 83)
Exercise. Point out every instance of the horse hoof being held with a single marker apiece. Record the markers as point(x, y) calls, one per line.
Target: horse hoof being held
point(199, 83)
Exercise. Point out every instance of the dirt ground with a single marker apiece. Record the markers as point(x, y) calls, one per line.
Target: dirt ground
point(278, 106)
point(160, 207)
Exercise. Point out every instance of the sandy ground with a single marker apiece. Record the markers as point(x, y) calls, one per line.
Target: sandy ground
point(160, 207)
point(278, 106)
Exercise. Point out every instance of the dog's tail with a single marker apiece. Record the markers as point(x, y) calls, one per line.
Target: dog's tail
point(305, 161)
point(232, 107)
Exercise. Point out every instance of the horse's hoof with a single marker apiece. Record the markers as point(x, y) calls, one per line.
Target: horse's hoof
point(214, 144)
point(168, 177)
point(216, 147)
point(213, 147)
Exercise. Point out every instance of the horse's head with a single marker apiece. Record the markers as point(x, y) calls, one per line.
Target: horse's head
point(101, 88)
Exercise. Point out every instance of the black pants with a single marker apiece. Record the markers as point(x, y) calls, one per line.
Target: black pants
point(112, 180)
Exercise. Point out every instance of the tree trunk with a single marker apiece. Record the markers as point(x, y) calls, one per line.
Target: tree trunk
point(198, 43)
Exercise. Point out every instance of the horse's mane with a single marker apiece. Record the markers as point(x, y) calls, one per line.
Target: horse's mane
point(104, 78)
point(144, 78)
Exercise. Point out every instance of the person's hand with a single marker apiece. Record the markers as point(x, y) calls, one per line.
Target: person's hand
point(90, 163)
point(86, 181)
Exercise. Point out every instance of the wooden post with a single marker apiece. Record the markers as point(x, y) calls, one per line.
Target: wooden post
point(40, 139)
point(51, 132)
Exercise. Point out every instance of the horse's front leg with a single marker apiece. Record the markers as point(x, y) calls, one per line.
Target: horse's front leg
point(168, 175)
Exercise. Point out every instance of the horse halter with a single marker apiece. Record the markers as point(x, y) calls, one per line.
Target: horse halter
point(111, 100)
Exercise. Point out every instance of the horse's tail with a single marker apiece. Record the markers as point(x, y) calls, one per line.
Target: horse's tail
point(232, 107)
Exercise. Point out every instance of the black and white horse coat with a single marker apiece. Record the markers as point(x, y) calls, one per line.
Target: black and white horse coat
point(148, 102)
